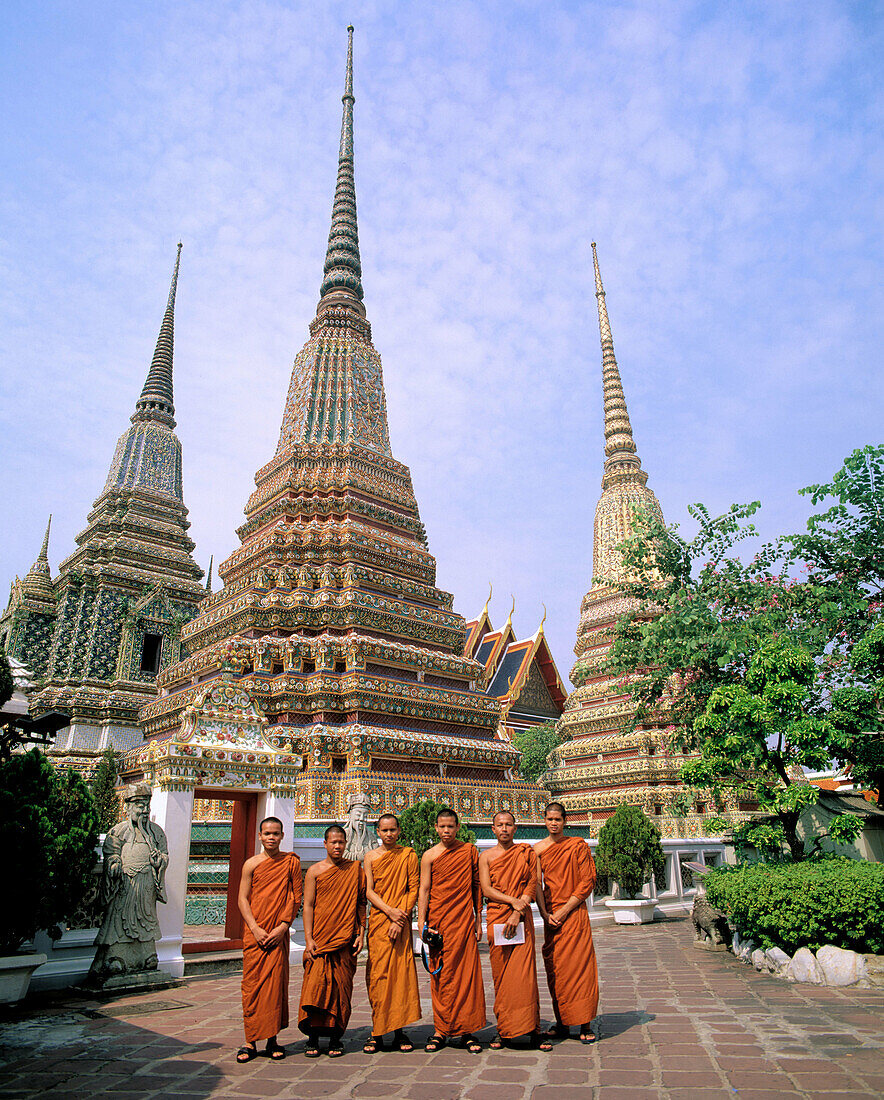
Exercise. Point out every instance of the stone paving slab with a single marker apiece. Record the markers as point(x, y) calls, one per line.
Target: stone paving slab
point(675, 1024)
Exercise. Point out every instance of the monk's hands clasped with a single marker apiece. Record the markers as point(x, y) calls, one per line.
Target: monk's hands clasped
point(511, 924)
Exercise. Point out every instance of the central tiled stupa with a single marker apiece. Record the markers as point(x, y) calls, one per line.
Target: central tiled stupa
point(329, 617)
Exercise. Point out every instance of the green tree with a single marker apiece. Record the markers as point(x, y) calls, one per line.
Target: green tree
point(103, 786)
point(758, 673)
point(535, 744)
point(48, 834)
point(419, 826)
point(630, 851)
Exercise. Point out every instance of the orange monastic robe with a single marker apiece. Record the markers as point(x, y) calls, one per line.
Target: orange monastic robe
point(457, 990)
point(275, 896)
point(390, 974)
point(338, 911)
point(568, 953)
point(516, 1000)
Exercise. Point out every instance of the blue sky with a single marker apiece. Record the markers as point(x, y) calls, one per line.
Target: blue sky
point(726, 157)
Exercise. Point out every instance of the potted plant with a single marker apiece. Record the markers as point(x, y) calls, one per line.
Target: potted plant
point(629, 851)
point(48, 834)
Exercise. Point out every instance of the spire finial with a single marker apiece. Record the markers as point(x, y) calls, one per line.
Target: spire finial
point(38, 580)
point(509, 618)
point(342, 285)
point(156, 401)
point(488, 601)
point(209, 574)
point(543, 620)
point(620, 450)
point(44, 549)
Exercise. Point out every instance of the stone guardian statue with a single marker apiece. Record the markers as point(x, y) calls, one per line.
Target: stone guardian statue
point(360, 837)
point(136, 855)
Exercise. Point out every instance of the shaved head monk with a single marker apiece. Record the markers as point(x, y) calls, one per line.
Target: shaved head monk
point(392, 876)
point(334, 919)
point(567, 874)
point(449, 902)
point(508, 875)
point(269, 900)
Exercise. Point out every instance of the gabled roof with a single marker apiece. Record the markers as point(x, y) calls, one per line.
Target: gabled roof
point(507, 661)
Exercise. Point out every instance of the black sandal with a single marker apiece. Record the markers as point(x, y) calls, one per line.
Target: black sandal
point(471, 1044)
point(587, 1037)
point(497, 1043)
point(335, 1050)
point(403, 1043)
point(246, 1054)
point(372, 1045)
point(311, 1051)
point(434, 1043)
point(540, 1042)
point(274, 1050)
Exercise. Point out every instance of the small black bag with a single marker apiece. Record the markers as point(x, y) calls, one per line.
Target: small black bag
point(431, 940)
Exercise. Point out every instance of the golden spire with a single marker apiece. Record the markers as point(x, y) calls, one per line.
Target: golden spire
point(488, 601)
point(621, 459)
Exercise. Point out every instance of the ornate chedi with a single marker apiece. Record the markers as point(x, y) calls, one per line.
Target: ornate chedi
point(606, 759)
point(120, 600)
point(329, 620)
point(27, 623)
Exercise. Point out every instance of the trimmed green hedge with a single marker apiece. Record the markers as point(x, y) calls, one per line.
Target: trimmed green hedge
point(791, 905)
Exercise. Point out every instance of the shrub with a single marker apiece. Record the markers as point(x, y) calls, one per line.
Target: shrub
point(419, 826)
point(832, 900)
point(48, 833)
point(630, 851)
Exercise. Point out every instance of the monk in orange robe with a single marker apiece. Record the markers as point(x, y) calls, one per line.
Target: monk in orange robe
point(334, 926)
point(269, 900)
point(450, 902)
point(391, 879)
point(568, 876)
point(508, 874)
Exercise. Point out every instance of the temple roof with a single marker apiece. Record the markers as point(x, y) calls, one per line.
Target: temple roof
point(507, 661)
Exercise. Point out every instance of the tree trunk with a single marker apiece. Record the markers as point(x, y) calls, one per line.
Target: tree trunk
point(789, 821)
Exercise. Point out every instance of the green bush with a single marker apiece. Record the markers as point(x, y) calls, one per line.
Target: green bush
point(630, 851)
point(535, 744)
point(104, 790)
point(791, 905)
point(419, 826)
point(48, 834)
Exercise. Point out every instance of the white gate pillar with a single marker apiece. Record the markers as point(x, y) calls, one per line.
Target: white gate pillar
point(173, 812)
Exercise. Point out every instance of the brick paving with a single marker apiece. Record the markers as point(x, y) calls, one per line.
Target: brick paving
point(675, 1024)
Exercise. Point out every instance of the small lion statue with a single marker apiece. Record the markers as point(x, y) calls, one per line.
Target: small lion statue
point(711, 928)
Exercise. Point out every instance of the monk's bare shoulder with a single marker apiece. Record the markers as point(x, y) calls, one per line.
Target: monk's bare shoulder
point(431, 854)
point(253, 861)
point(372, 854)
point(490, 855)
point(542, 845)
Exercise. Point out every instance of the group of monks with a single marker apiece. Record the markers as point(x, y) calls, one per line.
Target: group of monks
point(449, 886)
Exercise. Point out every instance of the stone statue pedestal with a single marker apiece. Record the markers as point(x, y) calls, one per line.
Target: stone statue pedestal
point(141, 981)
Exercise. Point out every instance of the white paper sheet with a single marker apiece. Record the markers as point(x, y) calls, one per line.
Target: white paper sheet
point(500, 940)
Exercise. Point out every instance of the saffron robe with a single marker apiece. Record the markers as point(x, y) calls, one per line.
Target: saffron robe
point(568, 952)
point(338, 912)
point(516, 997)
point(457, 990)
point(390, 974)
point(275, 897)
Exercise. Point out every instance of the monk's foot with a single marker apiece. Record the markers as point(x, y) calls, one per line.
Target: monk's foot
point(434, 1043)
point(335, 1049)
point(246, 1053)
point(497, 1043)
point(274, 1050)
point(402, 1042)
point(471, 1044)
point(373, 1044)
point(587, 1035)
point(557, 1031)
point(312, 1049)
point(540, 1042)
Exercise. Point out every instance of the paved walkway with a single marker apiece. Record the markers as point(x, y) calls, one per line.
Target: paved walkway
point(675, 1024)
